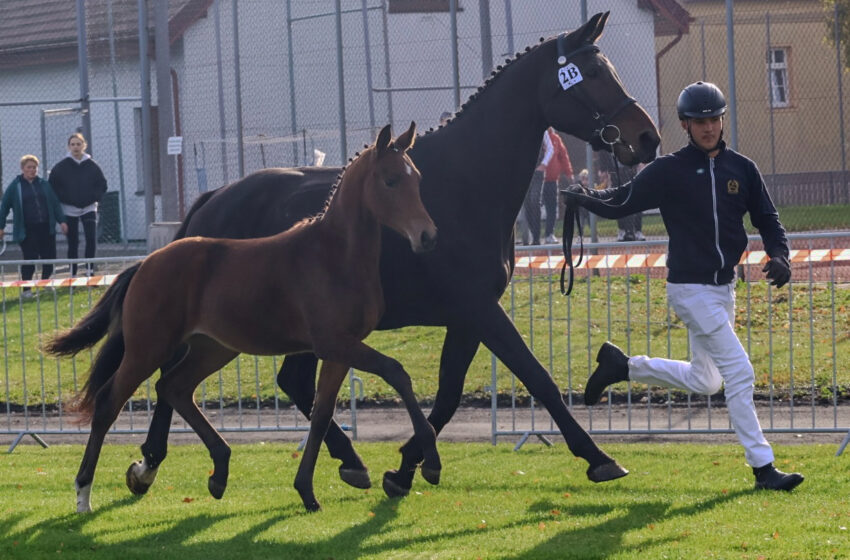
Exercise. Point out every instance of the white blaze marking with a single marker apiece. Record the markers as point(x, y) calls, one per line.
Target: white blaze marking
point(408, 168)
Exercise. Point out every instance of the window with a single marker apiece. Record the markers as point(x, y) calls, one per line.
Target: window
point(777, 67)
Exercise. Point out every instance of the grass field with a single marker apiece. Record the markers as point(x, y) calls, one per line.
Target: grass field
point(680, 501)
point(802, 341)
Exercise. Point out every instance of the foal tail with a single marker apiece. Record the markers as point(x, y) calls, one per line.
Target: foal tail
point(87, 333)
point(95, 325)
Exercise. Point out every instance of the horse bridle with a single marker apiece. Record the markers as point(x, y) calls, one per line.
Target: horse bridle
point(605, 126)
point(603, 119)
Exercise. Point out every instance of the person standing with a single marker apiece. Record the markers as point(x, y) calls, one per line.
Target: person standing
point(555, 162)
point(80, 184)
point(36, 211)
point(703, 192)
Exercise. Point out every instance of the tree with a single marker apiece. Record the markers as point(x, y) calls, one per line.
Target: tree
point(841, 9)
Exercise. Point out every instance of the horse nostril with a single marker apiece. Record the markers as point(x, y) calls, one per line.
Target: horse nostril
point(428, 241)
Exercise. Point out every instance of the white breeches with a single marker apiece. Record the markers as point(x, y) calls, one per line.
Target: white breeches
point(717, 357)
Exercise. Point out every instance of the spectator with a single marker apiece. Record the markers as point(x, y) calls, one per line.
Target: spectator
point(79, 183)
point(556, 163)
point(629, 228)
point(36, 212)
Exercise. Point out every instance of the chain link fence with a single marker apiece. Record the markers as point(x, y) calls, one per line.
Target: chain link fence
point(261, 83)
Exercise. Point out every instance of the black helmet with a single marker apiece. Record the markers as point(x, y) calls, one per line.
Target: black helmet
point(699, 100)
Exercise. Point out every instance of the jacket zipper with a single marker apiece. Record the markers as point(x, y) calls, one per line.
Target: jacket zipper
point(716, 220)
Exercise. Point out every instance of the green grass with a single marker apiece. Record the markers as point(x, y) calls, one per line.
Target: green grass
point(788, 343)
point(680, 501)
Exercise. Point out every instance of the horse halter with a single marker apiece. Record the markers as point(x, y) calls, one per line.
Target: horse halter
point(608, 133)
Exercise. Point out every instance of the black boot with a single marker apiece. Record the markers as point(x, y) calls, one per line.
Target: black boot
point(769, 477)
point(613, 368)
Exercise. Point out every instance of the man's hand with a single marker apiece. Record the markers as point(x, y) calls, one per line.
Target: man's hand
point(2, 233)
point(64, 227)
point(778, 271)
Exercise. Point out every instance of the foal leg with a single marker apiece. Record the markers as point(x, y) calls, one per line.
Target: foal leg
point(364, 358)
point(297, 378)
point(109, 401)
point(330, 380)
point(459, 349)
point(204, 357)
point(142, 474)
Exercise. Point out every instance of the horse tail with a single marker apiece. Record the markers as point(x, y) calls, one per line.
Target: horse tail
point(103, 368)
point(95, 324)
point(181, 233)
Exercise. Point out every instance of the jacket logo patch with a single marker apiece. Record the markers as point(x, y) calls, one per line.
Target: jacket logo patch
point(732, 186)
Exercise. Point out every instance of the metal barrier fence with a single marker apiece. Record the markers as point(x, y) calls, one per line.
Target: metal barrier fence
point(795, 336)
point(242, 397)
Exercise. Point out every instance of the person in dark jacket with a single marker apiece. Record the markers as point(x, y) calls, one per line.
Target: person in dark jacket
point(37, 211)
point(703, 192)
point(80, 184)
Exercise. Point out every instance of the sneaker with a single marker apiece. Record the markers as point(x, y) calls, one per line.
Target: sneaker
point(621, 235)
point(27, 294)
point(613, 368)
point(769, 477)
point(639, 236)
point(552, 239)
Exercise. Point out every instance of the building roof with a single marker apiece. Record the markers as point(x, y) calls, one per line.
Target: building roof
point(670, 17)
point(36, 32)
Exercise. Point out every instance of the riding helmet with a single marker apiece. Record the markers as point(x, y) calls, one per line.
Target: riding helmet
point(700, 100)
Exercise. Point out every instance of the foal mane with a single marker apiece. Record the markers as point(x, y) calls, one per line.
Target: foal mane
point(351, 162)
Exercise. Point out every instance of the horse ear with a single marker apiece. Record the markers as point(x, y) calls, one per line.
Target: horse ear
point(405, 141)
point(382, 142)
point(596, 26)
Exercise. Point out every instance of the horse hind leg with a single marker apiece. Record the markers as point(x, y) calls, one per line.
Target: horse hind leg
point(141, 474)
point(297, 378)
point(177, 387)
point(109, 401)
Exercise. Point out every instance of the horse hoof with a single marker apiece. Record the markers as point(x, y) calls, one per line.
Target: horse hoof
point(431, 475)
point(134, 483)
point(312, 506)
point(216, 489)
point(391, 488)
point(359, 478)
point(606, 472)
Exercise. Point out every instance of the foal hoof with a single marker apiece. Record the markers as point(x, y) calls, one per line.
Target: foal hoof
point(134, 483)
point(431, 475)
point(359, 478)
point(216, 488)
point(606, 472)
point(392, 488)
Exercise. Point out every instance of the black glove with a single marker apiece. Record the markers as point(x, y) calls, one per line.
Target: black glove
point(573, 195)
point(778, 271)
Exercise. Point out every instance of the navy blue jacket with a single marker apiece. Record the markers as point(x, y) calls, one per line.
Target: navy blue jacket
point(702, 201)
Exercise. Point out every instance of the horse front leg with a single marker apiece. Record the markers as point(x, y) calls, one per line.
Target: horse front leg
point(459, 347)
point(330, 380)
point(297, 378)
point(499, 334)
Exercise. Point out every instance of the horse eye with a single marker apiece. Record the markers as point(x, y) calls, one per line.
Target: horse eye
point(391, 182)
point(592, 72)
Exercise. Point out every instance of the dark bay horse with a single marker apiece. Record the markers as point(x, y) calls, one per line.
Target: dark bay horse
point(229, 296)
point(476, 171)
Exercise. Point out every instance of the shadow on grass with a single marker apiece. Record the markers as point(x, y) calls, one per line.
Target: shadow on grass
point(607, 538)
